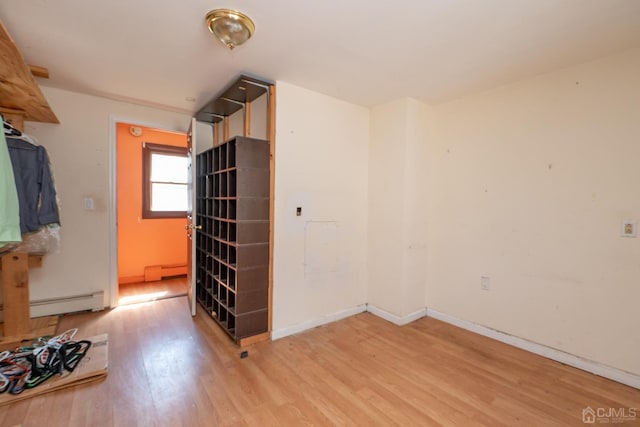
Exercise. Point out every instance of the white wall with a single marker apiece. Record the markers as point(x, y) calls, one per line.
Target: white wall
point(321, 166)
point(397, 206)
point(79, 153)
point(386, 206)
point(532, 182)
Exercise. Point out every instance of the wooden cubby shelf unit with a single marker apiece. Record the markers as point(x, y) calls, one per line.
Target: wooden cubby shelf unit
point(232, 248)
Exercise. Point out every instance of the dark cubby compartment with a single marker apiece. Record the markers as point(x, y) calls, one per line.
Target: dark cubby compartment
point(209, 186)
point(232, 256)
point(232, 233)
point(215, 309)
point(231, 154)
point(216, 269)
point(224, 230)
point(231, 324)
point(231, 302)
point(215, 152)
point(222, 295)
point(209, 162)
point(223, 157)
point(216, 185)
point(231, 280)
point(224, 251)
point(231, 185)
point(223, 209)
point(231, 209)
point(223, 184)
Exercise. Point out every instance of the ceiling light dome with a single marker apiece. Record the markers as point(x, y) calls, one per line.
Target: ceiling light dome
point(231, 27)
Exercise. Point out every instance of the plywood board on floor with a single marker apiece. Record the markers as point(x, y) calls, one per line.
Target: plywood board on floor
point(92, 367)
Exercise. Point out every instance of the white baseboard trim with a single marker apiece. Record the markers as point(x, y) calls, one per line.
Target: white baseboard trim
point(310, 324)
point(400, 321)
point(52, 306)
point(596, 368)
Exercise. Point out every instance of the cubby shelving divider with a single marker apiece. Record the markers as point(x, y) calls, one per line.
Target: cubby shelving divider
point(232, 255)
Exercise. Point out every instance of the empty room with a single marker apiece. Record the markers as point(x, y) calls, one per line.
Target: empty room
point(309, 213)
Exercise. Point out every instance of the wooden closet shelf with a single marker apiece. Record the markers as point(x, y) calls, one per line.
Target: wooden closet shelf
point(18, 89)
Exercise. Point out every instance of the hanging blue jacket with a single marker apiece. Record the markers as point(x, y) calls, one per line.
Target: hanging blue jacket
point(36, 193)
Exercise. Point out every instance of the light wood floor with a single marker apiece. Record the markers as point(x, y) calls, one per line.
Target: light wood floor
point(169, 370)
point(133, 293)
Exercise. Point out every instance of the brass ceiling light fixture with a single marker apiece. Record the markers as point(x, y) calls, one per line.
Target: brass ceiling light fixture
point(231, 27)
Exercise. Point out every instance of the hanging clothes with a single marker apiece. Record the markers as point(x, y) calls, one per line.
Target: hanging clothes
point(34, 184)
point(9, 205)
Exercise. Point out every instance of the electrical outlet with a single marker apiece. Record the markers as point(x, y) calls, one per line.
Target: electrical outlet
point(485, 283)
point(629, 228)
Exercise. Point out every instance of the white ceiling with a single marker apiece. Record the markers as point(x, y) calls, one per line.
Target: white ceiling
point(159, 52)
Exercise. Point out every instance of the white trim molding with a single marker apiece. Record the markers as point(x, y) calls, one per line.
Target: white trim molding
point(310, 324)
point(67, 304)
point(596, 368)
point(390, 317)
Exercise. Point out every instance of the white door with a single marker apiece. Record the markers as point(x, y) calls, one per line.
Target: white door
point(191, 227)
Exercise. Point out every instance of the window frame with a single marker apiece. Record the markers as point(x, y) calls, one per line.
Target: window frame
point(148, 149)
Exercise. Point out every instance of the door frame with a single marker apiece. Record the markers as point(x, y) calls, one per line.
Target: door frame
point(113, 212)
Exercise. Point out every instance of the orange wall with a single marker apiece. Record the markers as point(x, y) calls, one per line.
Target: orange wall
point(143, 242)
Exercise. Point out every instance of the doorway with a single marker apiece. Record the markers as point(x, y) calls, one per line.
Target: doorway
point(151, 238)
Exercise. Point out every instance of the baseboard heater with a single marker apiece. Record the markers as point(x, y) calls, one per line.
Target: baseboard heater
point(153, 273)
point(52, 306)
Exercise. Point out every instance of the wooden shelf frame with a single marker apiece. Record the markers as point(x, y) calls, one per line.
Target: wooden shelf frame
point(21, 99)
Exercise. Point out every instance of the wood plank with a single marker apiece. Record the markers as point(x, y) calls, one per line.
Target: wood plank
point(245, 342)
point(225, 129)
point(14, 117)
point(271, 136)
point(15, 294)
point(247, 119)
point(40, 327)
point(35, 261)
point(39, 71)
point(18, 88)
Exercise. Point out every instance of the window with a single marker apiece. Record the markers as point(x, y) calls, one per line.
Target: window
point(164, 181)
